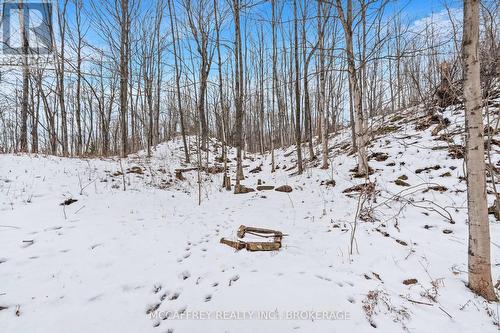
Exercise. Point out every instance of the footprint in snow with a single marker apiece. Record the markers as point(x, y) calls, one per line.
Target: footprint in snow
point(215, 284)
point(185, 275)
point(156, 288)
point(208, 298)
point(234, 279)
point(174, 296)
point(152, 308)
point(95, 298)
point(325, 279)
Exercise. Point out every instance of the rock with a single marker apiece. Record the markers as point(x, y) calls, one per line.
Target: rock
point(403, 177)
point(284, 188)
point(329, 182)
point(68, 202)
point(436, 167)
point(446, 174)
point(242, 189)
point(438, 188)
point(410, 281)
point(379, 157)
point(400, 182)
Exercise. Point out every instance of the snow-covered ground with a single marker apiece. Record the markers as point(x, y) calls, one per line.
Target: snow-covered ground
point(148, 259)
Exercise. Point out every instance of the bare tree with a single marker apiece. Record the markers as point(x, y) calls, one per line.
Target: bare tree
point(238, 95)
point(177, 80)
point(200, 23)
point(124, 19)
point(479, 232)
point(25, 98)
point(298, 140)
point(346, 18)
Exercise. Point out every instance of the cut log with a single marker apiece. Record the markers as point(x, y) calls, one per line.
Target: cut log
point(238, 245)
point(255, 246)
point(265, 187)
point(242, 230)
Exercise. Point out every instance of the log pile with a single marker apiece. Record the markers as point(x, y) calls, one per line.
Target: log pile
point(275, 245)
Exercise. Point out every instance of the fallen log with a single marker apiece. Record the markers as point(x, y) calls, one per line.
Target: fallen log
point(255, 246)
point(265, 187)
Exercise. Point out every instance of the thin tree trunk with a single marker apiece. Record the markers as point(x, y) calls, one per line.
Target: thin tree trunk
point(298, 139)
point(24, 102)
point(479, 233)
point(177, 82)
point(239, 97)
point(124, 57)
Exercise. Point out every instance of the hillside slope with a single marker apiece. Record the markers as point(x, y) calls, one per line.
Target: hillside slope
point(148, 259)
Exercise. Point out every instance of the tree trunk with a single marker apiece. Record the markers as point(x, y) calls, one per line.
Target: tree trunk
point(177, 82)
point(298, 139)
point(24, 103)
point(479, 233)
point(321, 97)
point(124, 56)
point(239, 97)
point(359, 121)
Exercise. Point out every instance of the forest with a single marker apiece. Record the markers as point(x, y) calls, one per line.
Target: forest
point(128, 128)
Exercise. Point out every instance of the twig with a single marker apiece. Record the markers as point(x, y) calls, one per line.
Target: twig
point(123, 175)
point(449, 315)
point(79, 209)
point(417, 302)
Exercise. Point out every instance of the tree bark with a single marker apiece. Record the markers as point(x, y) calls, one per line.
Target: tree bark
point(24, 102)
point(124, 57)
point(298, 139)
point(359, 121)
point(479, 233)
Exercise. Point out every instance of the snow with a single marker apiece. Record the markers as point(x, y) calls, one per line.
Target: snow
point(103, 262)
